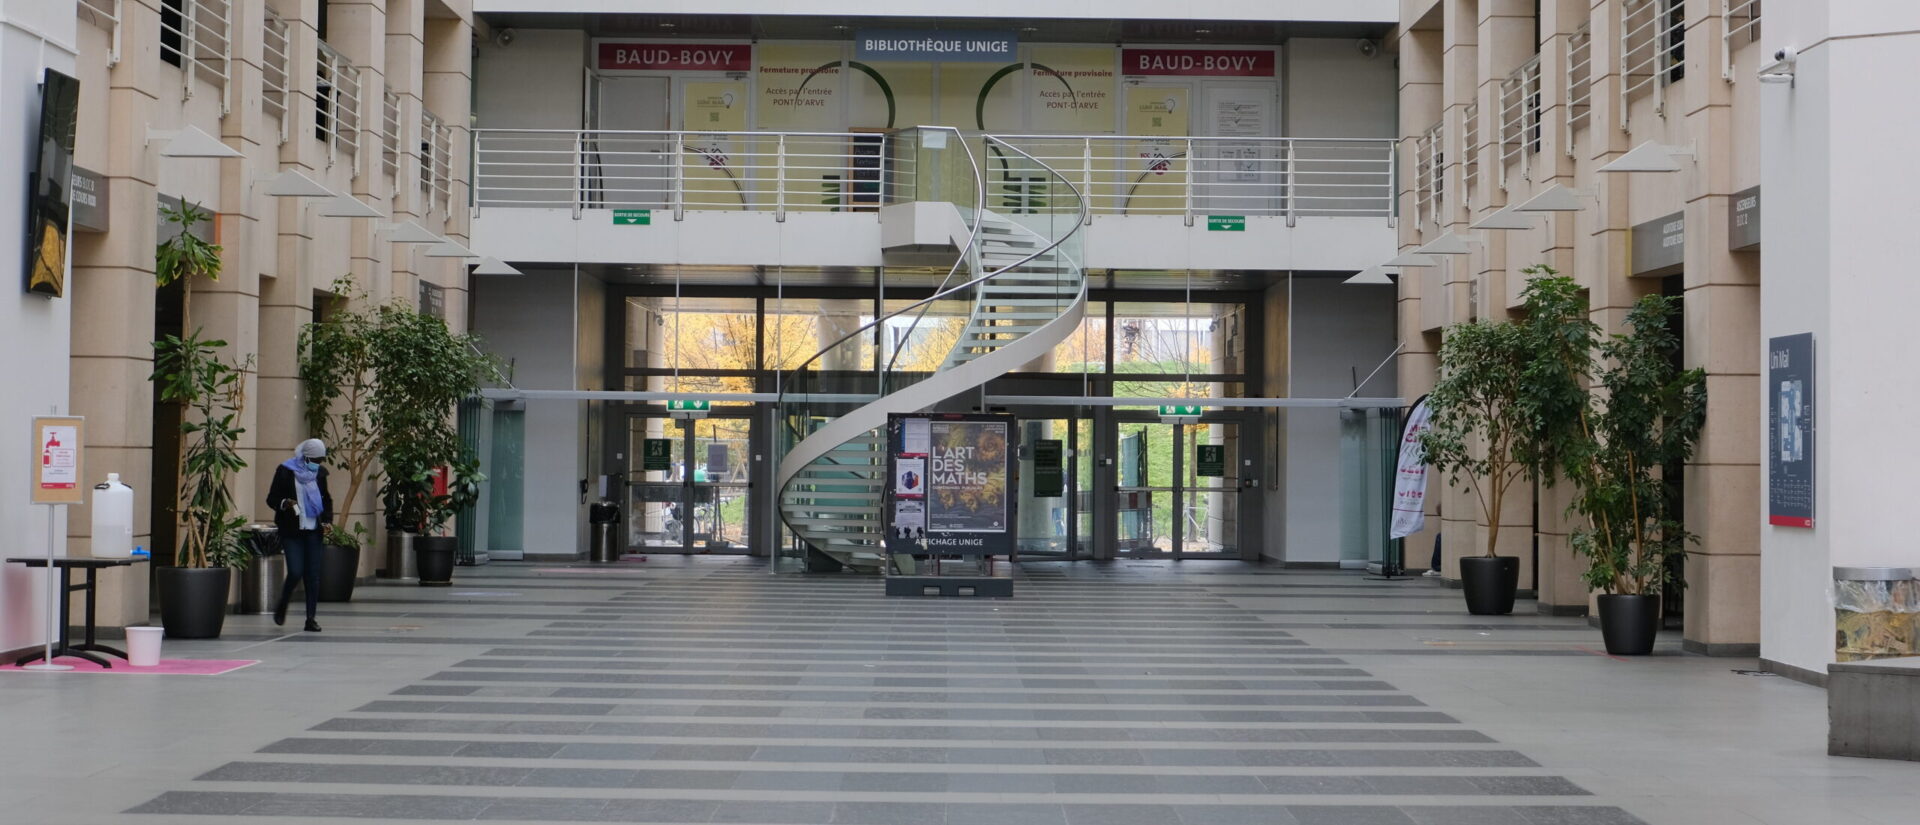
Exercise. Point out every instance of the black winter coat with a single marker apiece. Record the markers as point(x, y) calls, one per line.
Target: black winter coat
point(287, 517)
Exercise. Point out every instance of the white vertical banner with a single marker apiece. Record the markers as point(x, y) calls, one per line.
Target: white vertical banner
point(1410, 477)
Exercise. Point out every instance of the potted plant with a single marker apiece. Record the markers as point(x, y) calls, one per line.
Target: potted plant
point(1507, 407)
point(422, 371)
point(1644, 425)
point(190, 371)
point(435, 547)
point(193, 592)
point(337, 372)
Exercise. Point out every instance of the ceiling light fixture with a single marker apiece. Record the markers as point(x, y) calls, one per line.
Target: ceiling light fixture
point(348, 206)
point(1370, 275)
point(1556, 198)
point(292, 184)
point(1650, 157)
point(495, 266)
point(1505, 218)
point(189, 142)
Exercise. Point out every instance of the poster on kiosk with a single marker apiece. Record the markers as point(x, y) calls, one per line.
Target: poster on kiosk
point(953, 484)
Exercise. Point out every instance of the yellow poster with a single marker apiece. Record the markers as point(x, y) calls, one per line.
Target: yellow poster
point(983, 96)
point(799, 88)
point(1072, 90)
point(715, 107)
point(1154, 179)
point(711, 161)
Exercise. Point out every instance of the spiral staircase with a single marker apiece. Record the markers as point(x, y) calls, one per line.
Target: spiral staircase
point(1018, 266)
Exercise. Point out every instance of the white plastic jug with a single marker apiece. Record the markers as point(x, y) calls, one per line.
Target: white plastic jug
point(112, 519)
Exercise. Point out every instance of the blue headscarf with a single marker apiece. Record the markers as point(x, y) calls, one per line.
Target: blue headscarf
point(306, 477)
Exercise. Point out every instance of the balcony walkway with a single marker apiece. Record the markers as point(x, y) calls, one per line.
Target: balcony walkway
point(703, 690)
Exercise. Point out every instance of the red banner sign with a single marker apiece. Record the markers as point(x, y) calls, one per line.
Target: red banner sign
point(662, 57)
point(1197, 62)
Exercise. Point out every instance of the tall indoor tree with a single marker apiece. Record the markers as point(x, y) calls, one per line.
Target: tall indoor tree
point(1642, 426)
point(1507, 407)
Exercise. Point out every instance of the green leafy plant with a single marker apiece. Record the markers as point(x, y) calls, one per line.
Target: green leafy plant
point(1510, 396)
point(422, 371)
point(463, 491)
point(1648, 418)
point(191, 372)
point(184, 256)
point(337, 369)
point(352, 537)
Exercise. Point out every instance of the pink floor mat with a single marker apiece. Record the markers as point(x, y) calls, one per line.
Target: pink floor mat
point(169, 667)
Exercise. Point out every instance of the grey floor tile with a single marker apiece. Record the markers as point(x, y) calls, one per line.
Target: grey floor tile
point(1570, 815)
point(202, 803)
point(1475, 815)
point(1348, 815)
point(894, 782)
point(544, 810)
point(1235, 815)
point(888, 813)
point(1121, 814)
point(987, 814)
point(793, 813)
point(657, 810)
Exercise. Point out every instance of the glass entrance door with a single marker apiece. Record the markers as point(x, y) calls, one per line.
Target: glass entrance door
point(689, 486)
point(1180, 489)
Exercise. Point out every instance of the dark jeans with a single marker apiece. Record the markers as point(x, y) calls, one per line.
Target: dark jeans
point(304, 557)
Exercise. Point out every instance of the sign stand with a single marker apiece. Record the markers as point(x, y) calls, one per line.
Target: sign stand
point(56, 483)
point(950, 500)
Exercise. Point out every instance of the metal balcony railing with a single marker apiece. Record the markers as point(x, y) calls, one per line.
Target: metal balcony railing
point(276, 69)
point(1740, 25)
point(106, 15)
point(1579, 81)
point(1519, 120)
point(1652, 42)
point(783, 172)
point(197, 36)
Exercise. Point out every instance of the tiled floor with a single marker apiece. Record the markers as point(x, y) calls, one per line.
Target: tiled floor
point(703, 690)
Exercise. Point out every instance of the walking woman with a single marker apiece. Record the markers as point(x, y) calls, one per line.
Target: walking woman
point(302, 507)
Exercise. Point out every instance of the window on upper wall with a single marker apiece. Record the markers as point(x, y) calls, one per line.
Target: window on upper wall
point(173, 31)
point(1674, 40)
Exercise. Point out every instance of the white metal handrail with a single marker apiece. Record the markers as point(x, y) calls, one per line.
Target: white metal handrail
point(1579, 81)
point(106, 15)
point(1519, 119)
point(1429, 169)
point(1469, 154)
point(276, 69)
point(198, 38)
point(1649, 49)
point(390, 135)
point(436, 161)
point(337, 104)
point(1738, 18)
point(822, 171)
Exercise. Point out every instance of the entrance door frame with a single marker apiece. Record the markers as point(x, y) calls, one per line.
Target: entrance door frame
point(690, 488)
point(1250, 434)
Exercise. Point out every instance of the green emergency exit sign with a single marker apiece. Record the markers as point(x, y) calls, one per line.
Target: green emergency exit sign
point(1179, 411)
point(688, 405)
point(1226, 223)
point(1210, 460)
point(632, 217)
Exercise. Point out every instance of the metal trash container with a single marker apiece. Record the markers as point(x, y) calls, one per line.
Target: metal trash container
point(603, 528)
point(401, 563)
point(1876, 613)
point(266, 570)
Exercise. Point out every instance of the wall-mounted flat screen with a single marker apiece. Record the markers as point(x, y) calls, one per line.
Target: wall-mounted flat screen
point(50, 188)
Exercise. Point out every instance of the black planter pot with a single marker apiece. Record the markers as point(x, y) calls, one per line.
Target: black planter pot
point(1490, 583)
point(434, 556)
point(193, 601)
point(339, 567)
point(1629, 623)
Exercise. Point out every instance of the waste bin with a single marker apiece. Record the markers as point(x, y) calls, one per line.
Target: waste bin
point(401, 563)
point(603, 528)
point(1876, 612)
point(266, 570)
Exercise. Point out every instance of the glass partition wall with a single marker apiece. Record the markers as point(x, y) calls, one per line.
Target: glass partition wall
point(1134, 486)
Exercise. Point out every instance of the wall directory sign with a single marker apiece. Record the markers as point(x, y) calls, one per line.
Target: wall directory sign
point(1790, 445)
point(1197, 62)
point(1049, 471)
point(1210, 460)
point(1743, 219)
point(963, 469)
point(658, 455)
point(56, 461)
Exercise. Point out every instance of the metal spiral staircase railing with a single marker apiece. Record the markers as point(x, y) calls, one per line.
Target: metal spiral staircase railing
point(1019, 272)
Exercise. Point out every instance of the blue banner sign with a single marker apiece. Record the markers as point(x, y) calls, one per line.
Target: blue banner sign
point(935, 46)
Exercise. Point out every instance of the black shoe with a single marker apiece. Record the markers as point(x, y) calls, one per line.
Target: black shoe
point(280, 612)
point(313, 626)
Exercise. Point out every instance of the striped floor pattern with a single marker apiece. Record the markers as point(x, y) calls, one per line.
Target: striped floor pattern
point(709, 691)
